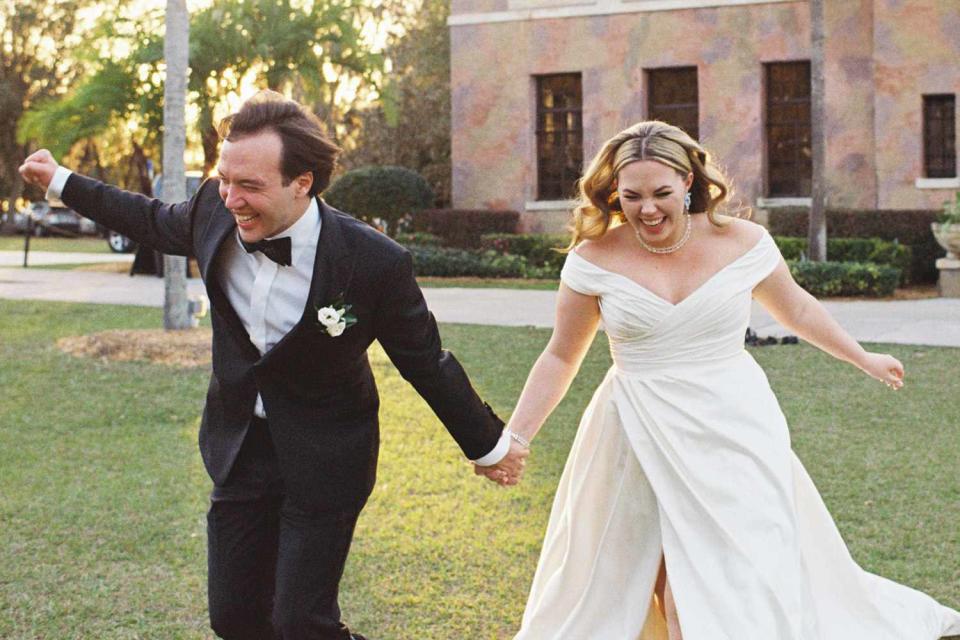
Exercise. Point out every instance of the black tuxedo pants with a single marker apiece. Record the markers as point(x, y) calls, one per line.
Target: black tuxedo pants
point(274, 568)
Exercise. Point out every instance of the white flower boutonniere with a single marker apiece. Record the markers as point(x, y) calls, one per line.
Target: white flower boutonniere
point(336, 317)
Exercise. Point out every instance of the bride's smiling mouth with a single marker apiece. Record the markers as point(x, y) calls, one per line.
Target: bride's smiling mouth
point(652, 222)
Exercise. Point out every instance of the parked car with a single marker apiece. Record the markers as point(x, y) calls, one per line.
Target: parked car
point(120, 243)
point(55, 219)
point(21, 221)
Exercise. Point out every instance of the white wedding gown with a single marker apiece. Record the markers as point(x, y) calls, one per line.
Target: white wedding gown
point(684, 451)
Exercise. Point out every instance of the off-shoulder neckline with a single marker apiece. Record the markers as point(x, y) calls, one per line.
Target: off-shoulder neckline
point(696, 290)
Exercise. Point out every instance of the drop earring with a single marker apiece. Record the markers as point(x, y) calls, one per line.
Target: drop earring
point(686, 202)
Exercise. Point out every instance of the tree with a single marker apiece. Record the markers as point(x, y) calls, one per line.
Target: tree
point(817, 232)
point(98, 110)
point(316, 51)
point(410, 127)
point(30, 71)
point(175, 52)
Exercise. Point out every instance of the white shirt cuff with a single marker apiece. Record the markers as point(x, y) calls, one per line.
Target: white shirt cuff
point(59, 181)
point(498, 453)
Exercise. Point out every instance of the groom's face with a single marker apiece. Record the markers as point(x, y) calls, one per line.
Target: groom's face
point(251, 186)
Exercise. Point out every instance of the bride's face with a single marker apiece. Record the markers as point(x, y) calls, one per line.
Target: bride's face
point(651, 195)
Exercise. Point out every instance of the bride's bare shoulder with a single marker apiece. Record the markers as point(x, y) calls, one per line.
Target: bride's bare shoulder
point(595, 249)
point(740, 231)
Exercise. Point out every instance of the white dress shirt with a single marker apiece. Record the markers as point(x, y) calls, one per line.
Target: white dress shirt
point(270, 299)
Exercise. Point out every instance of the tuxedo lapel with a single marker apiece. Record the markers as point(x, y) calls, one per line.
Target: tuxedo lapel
point(332, 271)
point(221, 228)
point(333, 266)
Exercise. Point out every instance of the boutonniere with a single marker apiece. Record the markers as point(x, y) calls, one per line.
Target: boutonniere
point(336, 317)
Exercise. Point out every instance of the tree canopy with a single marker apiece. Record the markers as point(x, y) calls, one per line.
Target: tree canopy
point(318, 52)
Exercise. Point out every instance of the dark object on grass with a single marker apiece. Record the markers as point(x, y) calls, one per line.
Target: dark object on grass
point(753, 340)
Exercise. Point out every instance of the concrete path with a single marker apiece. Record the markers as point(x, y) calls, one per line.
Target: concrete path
point(934, 321)
point(86, 286)
point(37, 258)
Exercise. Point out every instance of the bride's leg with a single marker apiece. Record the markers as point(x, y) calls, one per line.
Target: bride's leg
point(659, 586)
point(666, 604)
point(670, 611)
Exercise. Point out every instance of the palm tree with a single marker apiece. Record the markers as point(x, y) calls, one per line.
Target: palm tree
point(175, 51)
point(817, 232)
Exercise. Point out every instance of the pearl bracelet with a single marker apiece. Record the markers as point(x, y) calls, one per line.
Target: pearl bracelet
point(523, 441)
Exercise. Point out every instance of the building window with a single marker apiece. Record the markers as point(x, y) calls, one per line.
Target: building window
point(559, 135)
point(672, 97)
point(940, 136)
point(789, 155)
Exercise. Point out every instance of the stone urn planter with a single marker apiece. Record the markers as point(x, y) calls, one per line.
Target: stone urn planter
point(948, 237)
point(947, 233)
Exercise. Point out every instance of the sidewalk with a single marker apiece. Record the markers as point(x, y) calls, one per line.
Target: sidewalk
point(37, 258)
point(934, 322)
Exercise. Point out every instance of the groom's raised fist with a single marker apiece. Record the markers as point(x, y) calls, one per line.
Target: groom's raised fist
point(38, 169)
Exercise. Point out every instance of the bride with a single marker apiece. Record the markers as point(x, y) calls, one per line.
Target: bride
point(682, 511)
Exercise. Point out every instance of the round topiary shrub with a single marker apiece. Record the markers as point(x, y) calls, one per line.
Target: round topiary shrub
point(380, 196)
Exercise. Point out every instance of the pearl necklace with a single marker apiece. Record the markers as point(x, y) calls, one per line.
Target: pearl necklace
point(674, 247)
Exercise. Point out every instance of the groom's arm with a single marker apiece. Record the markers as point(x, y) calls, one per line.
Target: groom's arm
point(408, 332)
point(148, 221)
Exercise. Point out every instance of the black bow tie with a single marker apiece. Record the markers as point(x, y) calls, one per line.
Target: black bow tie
point(277, 250)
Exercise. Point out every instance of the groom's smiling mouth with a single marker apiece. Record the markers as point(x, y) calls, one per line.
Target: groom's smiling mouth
point(245, 221)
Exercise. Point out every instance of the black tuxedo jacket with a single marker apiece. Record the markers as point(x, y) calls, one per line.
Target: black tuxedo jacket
point(318, 391)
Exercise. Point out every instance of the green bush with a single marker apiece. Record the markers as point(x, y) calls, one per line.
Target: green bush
point(539, 249)
point(418, 239)
point(910, 227)
point(464, 227)
point(872, 250)
point(449, 262)
point(819, 278)
point(380, 196)
point(845, 278)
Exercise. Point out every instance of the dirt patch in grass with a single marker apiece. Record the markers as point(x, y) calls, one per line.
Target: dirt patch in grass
point(104, 267)
point(173, 348)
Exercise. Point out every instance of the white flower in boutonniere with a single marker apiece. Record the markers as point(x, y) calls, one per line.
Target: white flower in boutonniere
point(336, 317)
point(328, 316)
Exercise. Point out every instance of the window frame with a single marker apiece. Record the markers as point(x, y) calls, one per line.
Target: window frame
point(937, 161)
point(655, 111)
point(801, 171)
point(553, 189)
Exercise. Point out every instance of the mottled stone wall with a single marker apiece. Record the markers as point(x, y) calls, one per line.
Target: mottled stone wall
point(917, 52)
point(874, 134)
point(848, 86)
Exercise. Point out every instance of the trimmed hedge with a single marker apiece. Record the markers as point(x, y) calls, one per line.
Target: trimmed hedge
point(420, 239)
point(873, 250)
point(909, 227)
point(385, 193)
point(845, 278)
point(819, 278)
point(539, 249)
point(464, 227)
point(451, 263)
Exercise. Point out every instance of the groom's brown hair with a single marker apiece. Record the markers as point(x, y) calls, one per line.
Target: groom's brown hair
point(305, 146)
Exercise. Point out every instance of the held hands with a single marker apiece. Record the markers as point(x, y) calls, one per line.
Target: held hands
point(38, 169)
point(508, 471)
point(884, 368)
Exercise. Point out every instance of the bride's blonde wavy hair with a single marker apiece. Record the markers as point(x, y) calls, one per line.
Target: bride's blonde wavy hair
point(649, 140)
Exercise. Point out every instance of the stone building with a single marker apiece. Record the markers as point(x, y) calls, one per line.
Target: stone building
point(538, 85)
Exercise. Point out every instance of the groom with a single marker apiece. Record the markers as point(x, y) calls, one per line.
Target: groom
point(290, 432)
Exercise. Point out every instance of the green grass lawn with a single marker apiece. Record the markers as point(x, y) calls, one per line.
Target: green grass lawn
point(103, 496)
point(78, 245)
point(488, 283)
